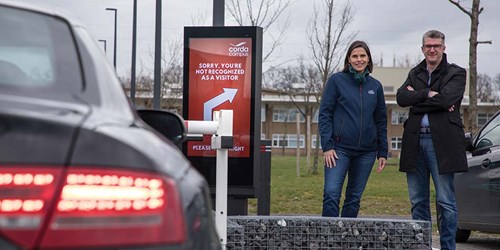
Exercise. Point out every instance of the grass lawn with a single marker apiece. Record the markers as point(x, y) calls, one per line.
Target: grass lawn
point(386, 193)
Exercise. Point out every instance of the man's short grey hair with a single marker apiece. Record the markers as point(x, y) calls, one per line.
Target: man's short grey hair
point(434, 34)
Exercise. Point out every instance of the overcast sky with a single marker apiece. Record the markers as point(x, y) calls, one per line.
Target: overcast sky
point(392, 28)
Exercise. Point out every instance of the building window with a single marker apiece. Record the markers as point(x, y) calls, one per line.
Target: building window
point(280, 115)
point(279, 141)
point(316, 116)
point(388, 89)
point(286, 115)
point(288, 141)
point(398, 117)
point(292, 141)
point(396, 143)
point(292, 115)
point(482, 118)
point(263, 114)
point(313, 142)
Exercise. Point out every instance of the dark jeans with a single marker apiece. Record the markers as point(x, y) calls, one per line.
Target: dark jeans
point(419, 191)
point(357, 166)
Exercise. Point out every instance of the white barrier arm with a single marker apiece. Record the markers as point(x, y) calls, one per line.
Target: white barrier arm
point(202, 127)
point(221, 129)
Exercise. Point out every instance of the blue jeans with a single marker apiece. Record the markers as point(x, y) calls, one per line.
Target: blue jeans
point(357, 166)
point(419, 191)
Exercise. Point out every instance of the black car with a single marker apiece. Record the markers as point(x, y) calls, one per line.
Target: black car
point(79, 168)
point(478, 190)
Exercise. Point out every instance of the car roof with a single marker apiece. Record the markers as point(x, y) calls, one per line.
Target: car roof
point(44, 9)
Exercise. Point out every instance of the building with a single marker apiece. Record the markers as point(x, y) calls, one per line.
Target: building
point(279, 114)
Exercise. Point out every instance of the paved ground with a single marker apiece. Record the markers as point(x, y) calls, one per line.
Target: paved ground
point(477, 241)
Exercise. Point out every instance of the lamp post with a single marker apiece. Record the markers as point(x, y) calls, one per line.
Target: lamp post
point(157, 64)
point(218, 13)
point(134, 45)
point(114, 47)
point(103, 41)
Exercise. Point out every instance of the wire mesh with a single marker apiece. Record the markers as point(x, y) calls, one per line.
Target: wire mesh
point(297, 232)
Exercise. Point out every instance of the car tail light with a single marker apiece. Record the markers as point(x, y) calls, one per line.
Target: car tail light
point(25, 197)
point(102, 207)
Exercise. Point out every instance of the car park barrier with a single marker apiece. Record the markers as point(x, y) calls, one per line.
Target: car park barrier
point(221, 129)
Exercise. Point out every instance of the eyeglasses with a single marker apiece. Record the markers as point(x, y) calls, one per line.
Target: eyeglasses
point(432, 46)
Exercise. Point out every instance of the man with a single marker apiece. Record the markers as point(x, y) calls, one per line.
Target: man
point(433, 137)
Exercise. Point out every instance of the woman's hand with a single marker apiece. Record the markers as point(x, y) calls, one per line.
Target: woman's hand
point(330, 157)
point(381, 164)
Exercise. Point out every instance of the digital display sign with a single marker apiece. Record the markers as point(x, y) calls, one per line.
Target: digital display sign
point(220, 78)
point(223, 70)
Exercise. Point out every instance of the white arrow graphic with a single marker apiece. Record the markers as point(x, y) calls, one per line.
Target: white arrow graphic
point(208, 106)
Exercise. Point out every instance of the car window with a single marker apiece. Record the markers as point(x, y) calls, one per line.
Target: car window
point(37, 54)
point(490, 135)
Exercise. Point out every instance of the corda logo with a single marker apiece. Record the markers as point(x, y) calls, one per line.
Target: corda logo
point(238, 49)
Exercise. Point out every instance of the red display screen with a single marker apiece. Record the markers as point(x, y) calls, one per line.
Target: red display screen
point(220, 71)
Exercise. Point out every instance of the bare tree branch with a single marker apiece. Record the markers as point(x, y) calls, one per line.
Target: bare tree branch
point(485, 42)
point(326, 42)
point(263, 13)
point(464, 10)
point(328, 36)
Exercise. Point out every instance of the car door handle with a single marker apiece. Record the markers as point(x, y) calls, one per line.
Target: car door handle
point(486, 163)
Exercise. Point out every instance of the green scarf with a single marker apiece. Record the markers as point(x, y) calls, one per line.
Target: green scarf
point(359, 77)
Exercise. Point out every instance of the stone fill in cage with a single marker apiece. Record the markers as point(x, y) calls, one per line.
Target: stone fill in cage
point(297, 232)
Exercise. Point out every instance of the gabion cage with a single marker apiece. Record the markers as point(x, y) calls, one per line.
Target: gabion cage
point(294, 232)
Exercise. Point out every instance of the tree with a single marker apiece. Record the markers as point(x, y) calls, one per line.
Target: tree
point(271, 78)
point(484, 88)
point(299, 83)
point(311, 77)
point(263, 13)
point(407, 61)
point(496, 82)
point(488, 88)
point(172, 73)
point(144, 87)
point(171, 78)
point(473, 13)
point(328, 36)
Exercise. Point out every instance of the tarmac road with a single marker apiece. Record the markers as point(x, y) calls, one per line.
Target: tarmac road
point(477, 241)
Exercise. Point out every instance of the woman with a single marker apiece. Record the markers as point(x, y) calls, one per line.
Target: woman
point(353, 127)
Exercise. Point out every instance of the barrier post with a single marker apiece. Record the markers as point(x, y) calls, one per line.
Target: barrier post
point(264, 188)
point(221, 129)
point(222, 142)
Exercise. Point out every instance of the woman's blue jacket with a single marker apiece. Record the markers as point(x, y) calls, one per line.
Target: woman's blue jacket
point(353, 115)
